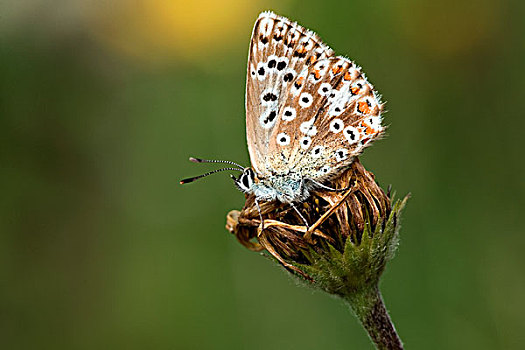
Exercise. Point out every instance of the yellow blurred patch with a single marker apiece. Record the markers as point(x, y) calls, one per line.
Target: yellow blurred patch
point(160, 30)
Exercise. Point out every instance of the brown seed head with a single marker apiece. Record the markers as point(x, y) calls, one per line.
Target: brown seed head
point(335, 218)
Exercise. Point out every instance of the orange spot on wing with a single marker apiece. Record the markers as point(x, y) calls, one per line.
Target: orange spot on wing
point(301, 50)
point(363, 107)
point(317, 74)
point(368, 130)
point(355, 90)
point(365, 129)
point(337, 70)
point(313, 59)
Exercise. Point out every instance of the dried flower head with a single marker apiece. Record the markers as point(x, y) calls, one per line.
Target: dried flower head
point(353, 233)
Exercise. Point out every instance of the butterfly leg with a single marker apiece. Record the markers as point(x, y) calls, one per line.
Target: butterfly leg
point(301, 216)
point(260, 214)
point(309, 232)
point(328, 188)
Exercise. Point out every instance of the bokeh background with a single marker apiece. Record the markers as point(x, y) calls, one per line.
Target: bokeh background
point(103, 102)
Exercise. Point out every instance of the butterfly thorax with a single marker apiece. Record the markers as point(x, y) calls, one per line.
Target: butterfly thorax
point(284, 188)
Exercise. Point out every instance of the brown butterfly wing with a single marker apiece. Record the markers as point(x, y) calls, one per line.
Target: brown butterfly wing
point(279, 51)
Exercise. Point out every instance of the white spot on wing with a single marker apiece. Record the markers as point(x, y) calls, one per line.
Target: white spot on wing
point(265, 26)
point(268, 118)
point(374, 122)
point(289, 114)
point(272, 64)
point(283, 139)
point(337, 109)
point(288, 76)
point(351, 134)
point(341, 154)
point(305, 100)
point(317, 151)
point(261, 71)
point(324, 89)
point(333, 95)
point(269, 97)
point(308, 127)
point(261, 46)
point(297, 88)
point(305, 142)
point(307, 41)
point(324, 169)
point(336, 125)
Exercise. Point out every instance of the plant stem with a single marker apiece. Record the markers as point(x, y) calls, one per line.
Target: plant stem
point(370, 309)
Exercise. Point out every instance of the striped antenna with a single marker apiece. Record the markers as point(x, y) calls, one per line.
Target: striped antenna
point(199, 160)
point(191, 179)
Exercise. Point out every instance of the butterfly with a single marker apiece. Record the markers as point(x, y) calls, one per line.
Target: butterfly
point(309, 113)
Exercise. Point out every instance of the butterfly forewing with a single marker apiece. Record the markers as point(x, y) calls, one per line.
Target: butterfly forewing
point(279, 51)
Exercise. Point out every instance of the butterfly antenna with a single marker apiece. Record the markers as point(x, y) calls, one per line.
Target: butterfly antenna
point(199, 160)
point(191, 179)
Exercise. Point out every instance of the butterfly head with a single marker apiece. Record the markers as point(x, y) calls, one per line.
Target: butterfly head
point(246, 180)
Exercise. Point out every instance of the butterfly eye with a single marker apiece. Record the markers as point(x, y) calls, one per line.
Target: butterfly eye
point(246, 181)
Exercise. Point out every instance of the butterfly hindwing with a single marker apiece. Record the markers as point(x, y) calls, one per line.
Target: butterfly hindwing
point(337, 114)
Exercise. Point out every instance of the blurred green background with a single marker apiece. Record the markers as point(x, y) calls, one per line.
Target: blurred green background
point(103, 102)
